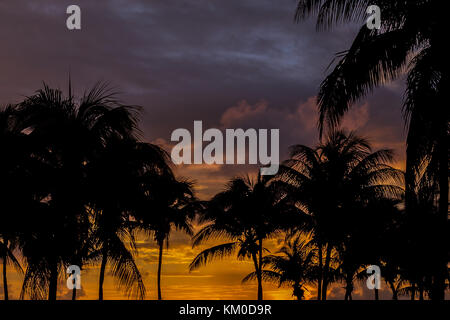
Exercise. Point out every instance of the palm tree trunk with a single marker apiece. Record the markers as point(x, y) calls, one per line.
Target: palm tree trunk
point(347, 294)
point(413, 291)
point(298, 291)
point(348, 288)
point(394, 291)
point(161, 245)
point(260, 289)
point(319, 279)
point(74, 290)
point(53, 284)
point(439, 285)
point(326, 272)
point(74, 293)
point(5, 281)
point(258, 275)
point(102, 274)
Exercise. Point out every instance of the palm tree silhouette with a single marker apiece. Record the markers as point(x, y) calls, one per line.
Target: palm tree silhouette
point(366, 241)
point(171, 205)
point(110, 175)
point(119, 178)
point(349, 268)
point(77, 185)
point(246, 213)
point(67, 134)
point(294, 267)
point(419, 258)
point(12, 196)
point(406, 43)
point(351, 176)
point(392, 275)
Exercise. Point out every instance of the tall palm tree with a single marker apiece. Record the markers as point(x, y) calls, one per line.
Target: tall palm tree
point(293, 266)
point(15, 165)
point(411, 40)
point(119, 180)
point(345, 171)
point(246, 213)
point(171, 204)
point(66, 136)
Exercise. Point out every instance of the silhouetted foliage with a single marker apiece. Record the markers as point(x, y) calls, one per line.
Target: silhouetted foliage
point(411, 40)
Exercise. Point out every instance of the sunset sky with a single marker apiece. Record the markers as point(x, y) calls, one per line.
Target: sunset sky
point(230, 63)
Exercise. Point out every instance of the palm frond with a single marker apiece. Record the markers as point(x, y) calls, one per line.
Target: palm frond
point(216, 252)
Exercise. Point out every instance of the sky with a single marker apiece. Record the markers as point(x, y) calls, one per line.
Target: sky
point(229, 63)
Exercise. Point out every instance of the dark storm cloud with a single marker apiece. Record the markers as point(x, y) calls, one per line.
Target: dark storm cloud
point(192, 56)
point(183, 61)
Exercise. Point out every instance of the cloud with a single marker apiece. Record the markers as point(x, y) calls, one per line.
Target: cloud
point(243, 110)
point(356, 118)
point(306, 114)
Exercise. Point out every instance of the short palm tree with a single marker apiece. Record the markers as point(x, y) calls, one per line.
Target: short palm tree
point(292, 266)
point(415, 253)
point(246, 213)
point(392, 275)
point(373, 226)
